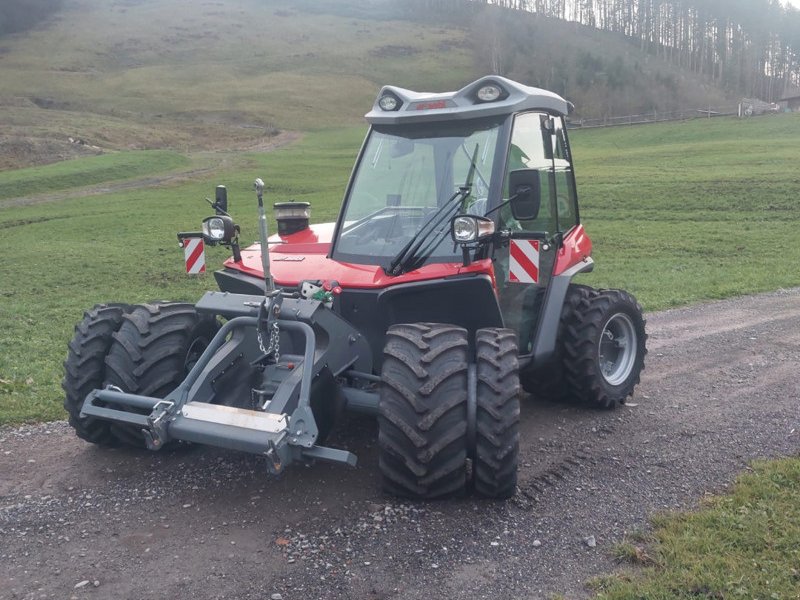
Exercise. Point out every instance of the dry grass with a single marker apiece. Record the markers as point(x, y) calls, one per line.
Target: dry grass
point(193, 75)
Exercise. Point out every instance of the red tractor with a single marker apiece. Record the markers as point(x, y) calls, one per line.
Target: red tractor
point(443, 288)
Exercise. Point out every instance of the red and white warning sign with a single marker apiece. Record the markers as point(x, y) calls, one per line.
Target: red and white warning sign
point(523, 263)
point(194, 255)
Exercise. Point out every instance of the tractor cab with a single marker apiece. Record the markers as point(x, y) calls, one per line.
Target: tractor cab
point(482, 174)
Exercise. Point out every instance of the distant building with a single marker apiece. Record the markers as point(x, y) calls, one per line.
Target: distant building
point(749, 107)
point(791, 103)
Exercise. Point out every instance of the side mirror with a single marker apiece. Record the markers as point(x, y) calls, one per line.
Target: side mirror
point(526, 196)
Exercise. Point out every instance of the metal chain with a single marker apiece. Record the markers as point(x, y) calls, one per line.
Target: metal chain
point(274, 342)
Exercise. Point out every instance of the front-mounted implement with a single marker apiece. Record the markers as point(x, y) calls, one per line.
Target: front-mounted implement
point(255, 385)
point(443, 289)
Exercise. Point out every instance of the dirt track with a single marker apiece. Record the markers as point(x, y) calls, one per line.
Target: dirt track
point(216, 160)
point(721, 388)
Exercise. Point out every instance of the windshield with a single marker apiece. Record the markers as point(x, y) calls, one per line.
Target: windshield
point(405, 176)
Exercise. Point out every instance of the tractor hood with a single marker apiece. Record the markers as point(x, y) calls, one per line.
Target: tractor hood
point(304, 256)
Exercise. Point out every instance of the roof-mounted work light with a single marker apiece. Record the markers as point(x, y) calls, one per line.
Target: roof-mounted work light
point(491, 92)
point(389, 102)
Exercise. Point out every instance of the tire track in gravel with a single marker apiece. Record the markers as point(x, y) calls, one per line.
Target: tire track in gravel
point(720, 389)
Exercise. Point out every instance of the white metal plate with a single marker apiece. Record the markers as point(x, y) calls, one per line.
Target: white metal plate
point(235, 417)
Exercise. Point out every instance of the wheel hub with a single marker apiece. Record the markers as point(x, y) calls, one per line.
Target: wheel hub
point(617, 349)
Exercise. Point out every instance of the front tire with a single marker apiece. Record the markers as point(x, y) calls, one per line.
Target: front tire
point(422, 416)
point(497, 414)
point(85, 368)
point(153, 351)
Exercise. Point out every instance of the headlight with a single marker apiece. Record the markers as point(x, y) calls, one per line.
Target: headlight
point(218, 229)
point(215, 228)
point(469, 228)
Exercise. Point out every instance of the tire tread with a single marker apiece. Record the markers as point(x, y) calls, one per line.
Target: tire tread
point(84, 368)
point(422, 411)
point(497, 417)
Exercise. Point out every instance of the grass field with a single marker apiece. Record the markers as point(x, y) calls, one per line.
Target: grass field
point(87, 171)
point(743, 545)
point(63, 257)
point(692, 211)
point(678, 212)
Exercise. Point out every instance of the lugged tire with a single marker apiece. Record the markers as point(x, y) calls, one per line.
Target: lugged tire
point(85, 368)
point(547, 381)
point(422, 418)
point(497, 416)
point(591, 335)
point(153, 351)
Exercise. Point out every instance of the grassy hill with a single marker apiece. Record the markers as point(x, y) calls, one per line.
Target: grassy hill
point(191, 76)
point(195, 76)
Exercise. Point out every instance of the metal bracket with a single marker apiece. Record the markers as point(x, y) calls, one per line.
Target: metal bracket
point(302, 428)
point(155, 436)
point(274, 463)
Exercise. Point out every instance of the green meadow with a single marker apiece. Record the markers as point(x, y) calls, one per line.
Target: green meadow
point(82, 172)
point(692, 211)
point(678, 213)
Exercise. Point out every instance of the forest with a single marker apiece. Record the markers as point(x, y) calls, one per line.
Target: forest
point(746, 47)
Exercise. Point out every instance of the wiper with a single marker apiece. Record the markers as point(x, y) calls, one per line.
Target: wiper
point(400, 261)
point(407, 257)
point(473, 161)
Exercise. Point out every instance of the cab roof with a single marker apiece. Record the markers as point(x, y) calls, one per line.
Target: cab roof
point(418, 107)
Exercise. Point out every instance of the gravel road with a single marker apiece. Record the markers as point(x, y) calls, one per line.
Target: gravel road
point(721, 389)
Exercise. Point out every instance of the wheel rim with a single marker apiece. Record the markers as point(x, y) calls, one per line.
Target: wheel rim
point(617, 349)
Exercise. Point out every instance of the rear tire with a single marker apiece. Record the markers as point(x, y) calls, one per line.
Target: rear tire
point(604, 349)
point(422, 416)
point(153, 351)
point(85, 368)
point(497, 418)
point(548, 382)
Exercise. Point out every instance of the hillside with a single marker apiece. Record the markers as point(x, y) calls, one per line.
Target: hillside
point(189, 76)
point(172, 73)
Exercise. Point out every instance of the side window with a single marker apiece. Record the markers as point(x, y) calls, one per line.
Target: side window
point(567, 198)
point(527, 152)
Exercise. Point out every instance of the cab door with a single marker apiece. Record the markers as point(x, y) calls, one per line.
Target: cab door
point(524, 262)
